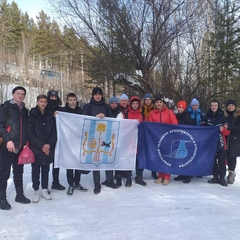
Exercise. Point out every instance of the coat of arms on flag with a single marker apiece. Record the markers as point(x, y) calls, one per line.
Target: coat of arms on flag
point(99, 142)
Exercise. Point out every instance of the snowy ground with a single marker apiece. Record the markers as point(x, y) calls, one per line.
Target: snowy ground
point(197, 210)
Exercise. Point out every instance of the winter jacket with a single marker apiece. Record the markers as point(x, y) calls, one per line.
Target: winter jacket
point(146, 111)
point(217, 119)
point(164, 115)
point(124, 111)
point(184, 118)
point(115, 111)
point(135, 114)
point(233, 140)
point(41, 131)
point(196, 115)
point(93, 108)
point(15, 119)
point(76, 110)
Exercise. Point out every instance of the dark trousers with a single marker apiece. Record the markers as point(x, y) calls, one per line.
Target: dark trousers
point(219, 167)
point(96, 177)
point(232, 162)
point(8, 159)
point(36, 176)
point(73, 177)
point(55, 174)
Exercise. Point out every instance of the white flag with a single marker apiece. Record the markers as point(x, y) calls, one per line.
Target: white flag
point(92, 143)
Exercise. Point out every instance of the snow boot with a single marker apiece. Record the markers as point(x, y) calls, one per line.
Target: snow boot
point(97, 189)
point(119, 181)
point(139, 180)
point(112, 184)
point(58, 186)
point(4, 205)
point(231, 177)
point(179, 178)
point(20, 196)
point(187, 179)
point(165, 182)
point(214, 179)
point(223, 182)
point(154, 175)
point(128, 182)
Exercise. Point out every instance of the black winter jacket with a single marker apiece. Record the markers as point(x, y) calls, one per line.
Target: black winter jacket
point(115, 111)
point(42, 130)
point(233, 140)
point(16, 119)
point(217, 119)
point(93, 108)
point(76, 110)
point(185, 118)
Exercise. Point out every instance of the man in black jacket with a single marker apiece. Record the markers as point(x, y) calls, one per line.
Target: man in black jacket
point(98, 108)
point(54, 103)
point(73, 176)
point(13, 129)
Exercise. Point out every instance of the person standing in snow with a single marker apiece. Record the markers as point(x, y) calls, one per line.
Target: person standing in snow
point(163, 115)
point(132, 113)
point(54, 103)
point(147, 107)
point(13, 130)
point(215, 117)
point(183, 117)
point(195, 111)
point(98, 108)
point(42, 137)
point(233, 151)
point(73, 176)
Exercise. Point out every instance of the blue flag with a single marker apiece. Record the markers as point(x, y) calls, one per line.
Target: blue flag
point(177, 149)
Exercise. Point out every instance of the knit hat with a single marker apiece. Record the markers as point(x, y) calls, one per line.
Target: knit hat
point(97, 90)
point(52, 93)
point(19, 88)
point(195, 102)
point(123, 96)
point(113, 99)
point(148, 95)
point(159, 96)
point(231, 101)
point(182, 104)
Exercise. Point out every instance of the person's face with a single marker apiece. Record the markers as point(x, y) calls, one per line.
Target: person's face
point(42, 103)
point(180, 109)
point(148, 101)
point(53, 97)
point(97, 97)
point(135, 105)
point(159, 104)
point(124, 103)
point(113, 105)
point(195, 107)
point(72, 101)
point(231, 107)
point(18, 96)
point(214, 106)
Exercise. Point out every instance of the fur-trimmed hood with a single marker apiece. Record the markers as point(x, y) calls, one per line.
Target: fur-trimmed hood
point(235, 115)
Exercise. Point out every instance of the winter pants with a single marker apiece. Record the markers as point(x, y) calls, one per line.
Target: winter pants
point(55, 174)
point(164, 176)
point(73, 177)
point(232, 162)
point(36, 176)
point(126, 174)
point(219, 167)
point(8, 159)
point(96, 177)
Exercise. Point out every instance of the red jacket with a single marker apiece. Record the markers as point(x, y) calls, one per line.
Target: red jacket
point(135, 114)
point(164, 115)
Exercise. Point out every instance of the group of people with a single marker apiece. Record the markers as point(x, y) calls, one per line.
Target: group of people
point(38, 127)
